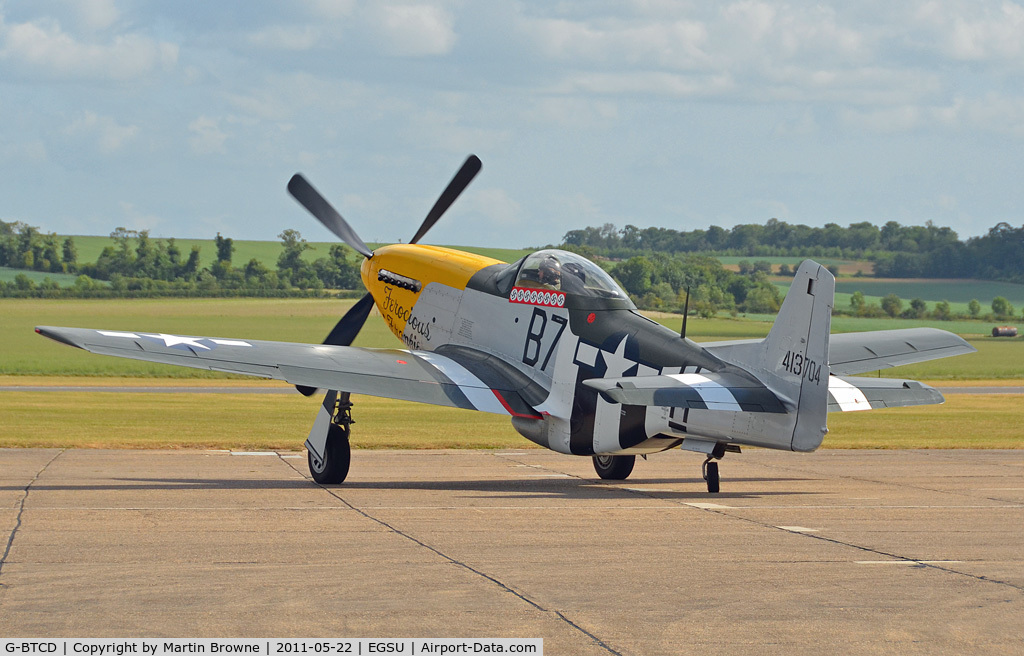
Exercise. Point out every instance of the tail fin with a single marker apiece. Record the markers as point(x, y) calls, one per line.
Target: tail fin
point(794, 355)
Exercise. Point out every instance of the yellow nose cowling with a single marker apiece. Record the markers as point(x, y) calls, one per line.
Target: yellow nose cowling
point(397, 274)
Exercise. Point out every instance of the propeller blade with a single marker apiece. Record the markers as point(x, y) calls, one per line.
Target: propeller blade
point(458, 184)
point(345, 331)
point(318, 206)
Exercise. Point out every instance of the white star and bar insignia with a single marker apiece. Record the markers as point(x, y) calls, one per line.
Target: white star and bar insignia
point(177, 341)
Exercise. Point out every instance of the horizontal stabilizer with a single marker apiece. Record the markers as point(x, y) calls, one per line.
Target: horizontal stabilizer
point(705, 391)
point(857, 353)
point(850, 393)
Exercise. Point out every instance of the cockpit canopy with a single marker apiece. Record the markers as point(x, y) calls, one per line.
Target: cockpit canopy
point(562, 271)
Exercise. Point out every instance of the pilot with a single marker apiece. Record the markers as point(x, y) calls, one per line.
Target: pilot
point(550, 273)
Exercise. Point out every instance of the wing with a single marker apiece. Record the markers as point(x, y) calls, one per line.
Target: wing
point(849, 393)
point(391, 373)
point(706, 391)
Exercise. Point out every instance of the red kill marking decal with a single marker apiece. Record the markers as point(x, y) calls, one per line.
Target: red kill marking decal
point(591, 317)
point(537, 297)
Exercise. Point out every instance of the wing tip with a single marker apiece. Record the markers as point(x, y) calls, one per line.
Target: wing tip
point(55, 335)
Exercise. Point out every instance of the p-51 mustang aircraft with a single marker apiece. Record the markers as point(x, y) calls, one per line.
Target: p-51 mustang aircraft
point(555, 344)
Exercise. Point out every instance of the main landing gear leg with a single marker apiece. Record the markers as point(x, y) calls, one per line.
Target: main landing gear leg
point(337, 454)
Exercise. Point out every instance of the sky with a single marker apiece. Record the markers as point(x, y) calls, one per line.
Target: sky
point(187, 118)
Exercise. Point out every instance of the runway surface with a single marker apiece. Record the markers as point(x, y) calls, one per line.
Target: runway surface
point(852, 552)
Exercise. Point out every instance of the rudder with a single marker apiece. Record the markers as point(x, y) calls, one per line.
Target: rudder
point(794, 355)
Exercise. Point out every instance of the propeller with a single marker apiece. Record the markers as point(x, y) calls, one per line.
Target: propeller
point(310, 198)
point(345, 331)
point(458, 184)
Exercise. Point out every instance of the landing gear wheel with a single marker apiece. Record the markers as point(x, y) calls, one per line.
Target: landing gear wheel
point(615, 468)
point(711, 476)
point(337, 456)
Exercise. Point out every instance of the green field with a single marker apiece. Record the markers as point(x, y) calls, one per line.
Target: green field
point(267, 252)
point(250, 422)
point(62, 279)
point(238, 421)
point(309, 320)
point(300, 320)
point(97, 419)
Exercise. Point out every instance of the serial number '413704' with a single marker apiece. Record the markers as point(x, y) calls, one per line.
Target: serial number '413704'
point(796, 363)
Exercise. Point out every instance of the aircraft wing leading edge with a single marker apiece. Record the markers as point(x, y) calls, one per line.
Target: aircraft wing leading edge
point(390, 373)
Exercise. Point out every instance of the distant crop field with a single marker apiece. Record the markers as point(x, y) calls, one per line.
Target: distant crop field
point(267, 252)
point(954, 291)
point(958, 293)
point(846, 267)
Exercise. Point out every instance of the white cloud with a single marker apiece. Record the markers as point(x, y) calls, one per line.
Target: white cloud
point(42, 48)
point(330, 9)
point(412, 30)
point(110, 136)
point(286, 37)
point(207, 137)
point(28, 152)
point(495, 205)
point(976, 31)
point(647, 83)
point(572, 112)
point(96, 14)
point(676, 44)
point(882, 120)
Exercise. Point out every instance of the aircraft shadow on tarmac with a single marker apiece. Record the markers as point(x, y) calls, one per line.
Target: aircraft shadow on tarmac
point(542, 488)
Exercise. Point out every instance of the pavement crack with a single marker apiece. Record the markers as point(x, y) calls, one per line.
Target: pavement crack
point(21, 511)
point(466, 566)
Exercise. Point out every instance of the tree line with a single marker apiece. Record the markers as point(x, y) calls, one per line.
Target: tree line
point(897, 251)
point(137, 265)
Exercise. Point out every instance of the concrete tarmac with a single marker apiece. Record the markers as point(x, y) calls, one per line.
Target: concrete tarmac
point(853, 552)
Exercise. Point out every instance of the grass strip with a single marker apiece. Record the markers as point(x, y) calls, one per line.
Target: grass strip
point(251, 422)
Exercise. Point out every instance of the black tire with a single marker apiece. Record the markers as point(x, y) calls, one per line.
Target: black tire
point(713, 480)
point(614, 468)
point(337, 456)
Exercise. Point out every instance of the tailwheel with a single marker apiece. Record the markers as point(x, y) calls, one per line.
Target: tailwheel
point(711, 475)
point(710, 468)
point(615, 468)
point(337, 456)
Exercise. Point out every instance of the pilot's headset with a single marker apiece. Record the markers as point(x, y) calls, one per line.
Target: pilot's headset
point(550, 272)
